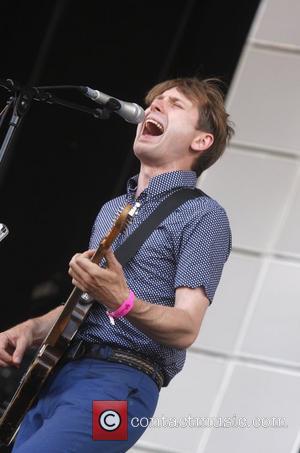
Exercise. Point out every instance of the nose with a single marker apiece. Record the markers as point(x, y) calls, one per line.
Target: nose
point(157, 105)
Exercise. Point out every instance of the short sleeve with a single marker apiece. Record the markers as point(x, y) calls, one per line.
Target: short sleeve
point(204, 248)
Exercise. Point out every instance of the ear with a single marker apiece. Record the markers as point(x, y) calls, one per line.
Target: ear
point(202, 141)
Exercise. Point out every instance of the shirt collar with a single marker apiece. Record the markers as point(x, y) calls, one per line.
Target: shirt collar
point(164, 182)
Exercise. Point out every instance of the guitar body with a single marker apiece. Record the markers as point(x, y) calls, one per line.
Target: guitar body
point(55, 344)
point(26, 394)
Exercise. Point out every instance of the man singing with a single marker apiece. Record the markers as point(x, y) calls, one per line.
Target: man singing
point(151, 309)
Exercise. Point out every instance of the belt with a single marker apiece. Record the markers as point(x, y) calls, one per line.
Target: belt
point(84, 349)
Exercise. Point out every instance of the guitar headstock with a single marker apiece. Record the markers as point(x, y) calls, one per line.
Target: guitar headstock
point(125, 216)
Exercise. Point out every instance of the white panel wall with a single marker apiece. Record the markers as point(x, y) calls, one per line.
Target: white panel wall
point(245, 364)
point(269, 80)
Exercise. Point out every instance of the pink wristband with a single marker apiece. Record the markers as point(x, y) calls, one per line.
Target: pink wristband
point(124, 308)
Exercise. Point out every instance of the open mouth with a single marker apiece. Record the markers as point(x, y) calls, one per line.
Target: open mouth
point(153, 128)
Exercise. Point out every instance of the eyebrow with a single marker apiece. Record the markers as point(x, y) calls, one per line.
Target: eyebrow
point(172, 99)
point(175, 99)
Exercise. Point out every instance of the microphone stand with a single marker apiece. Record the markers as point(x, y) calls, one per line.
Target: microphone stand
point(21, 102)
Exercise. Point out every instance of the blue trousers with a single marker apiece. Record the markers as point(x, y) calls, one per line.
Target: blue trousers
point(61, 420)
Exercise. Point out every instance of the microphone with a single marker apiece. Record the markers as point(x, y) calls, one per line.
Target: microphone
point(130, 112)
point(3, 231)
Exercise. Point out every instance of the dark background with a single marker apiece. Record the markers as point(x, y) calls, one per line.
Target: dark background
point(64, 164)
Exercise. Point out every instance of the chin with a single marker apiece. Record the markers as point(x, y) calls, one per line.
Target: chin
point(141, 148)
point(146, 155)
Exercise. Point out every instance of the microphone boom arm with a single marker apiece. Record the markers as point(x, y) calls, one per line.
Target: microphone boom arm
point(22, 100)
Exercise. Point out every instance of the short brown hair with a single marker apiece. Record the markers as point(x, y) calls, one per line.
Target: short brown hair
point(213, 117)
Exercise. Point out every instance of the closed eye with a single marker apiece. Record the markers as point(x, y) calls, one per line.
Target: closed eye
point(177, 104)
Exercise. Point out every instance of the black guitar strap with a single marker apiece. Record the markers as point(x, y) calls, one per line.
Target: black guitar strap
point(130, 246)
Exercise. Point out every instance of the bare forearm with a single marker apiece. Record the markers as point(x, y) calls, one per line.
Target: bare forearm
point(176, 326)
point(16, 340)
point(167, 325)
point(40, 326)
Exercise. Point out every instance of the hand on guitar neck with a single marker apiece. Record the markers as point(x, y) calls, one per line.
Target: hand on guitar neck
point(16, 340)
point(106, 285)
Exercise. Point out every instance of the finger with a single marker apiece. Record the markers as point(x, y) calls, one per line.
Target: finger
point(5, 356)
point(19, 351)
point(78, 284)
point(78, 268)
point(4, 364)
point(74, 258)
point(88, 254)
point(85, 268)
point(112, 261)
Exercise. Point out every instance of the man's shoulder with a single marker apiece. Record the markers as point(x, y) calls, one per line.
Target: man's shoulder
point(203, 213)
point(201, 205)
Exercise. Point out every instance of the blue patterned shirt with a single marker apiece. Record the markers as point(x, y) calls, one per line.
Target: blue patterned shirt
point(189, 248)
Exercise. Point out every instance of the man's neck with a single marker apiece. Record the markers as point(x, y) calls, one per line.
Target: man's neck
point(146, 173)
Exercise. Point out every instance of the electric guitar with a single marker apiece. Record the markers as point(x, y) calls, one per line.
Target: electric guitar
point(56, 342)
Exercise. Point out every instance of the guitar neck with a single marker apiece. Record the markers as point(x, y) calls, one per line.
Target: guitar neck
point(64, 317)
point(68, 310)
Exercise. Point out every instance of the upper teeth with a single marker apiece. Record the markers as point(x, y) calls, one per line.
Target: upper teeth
point(160, 127)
